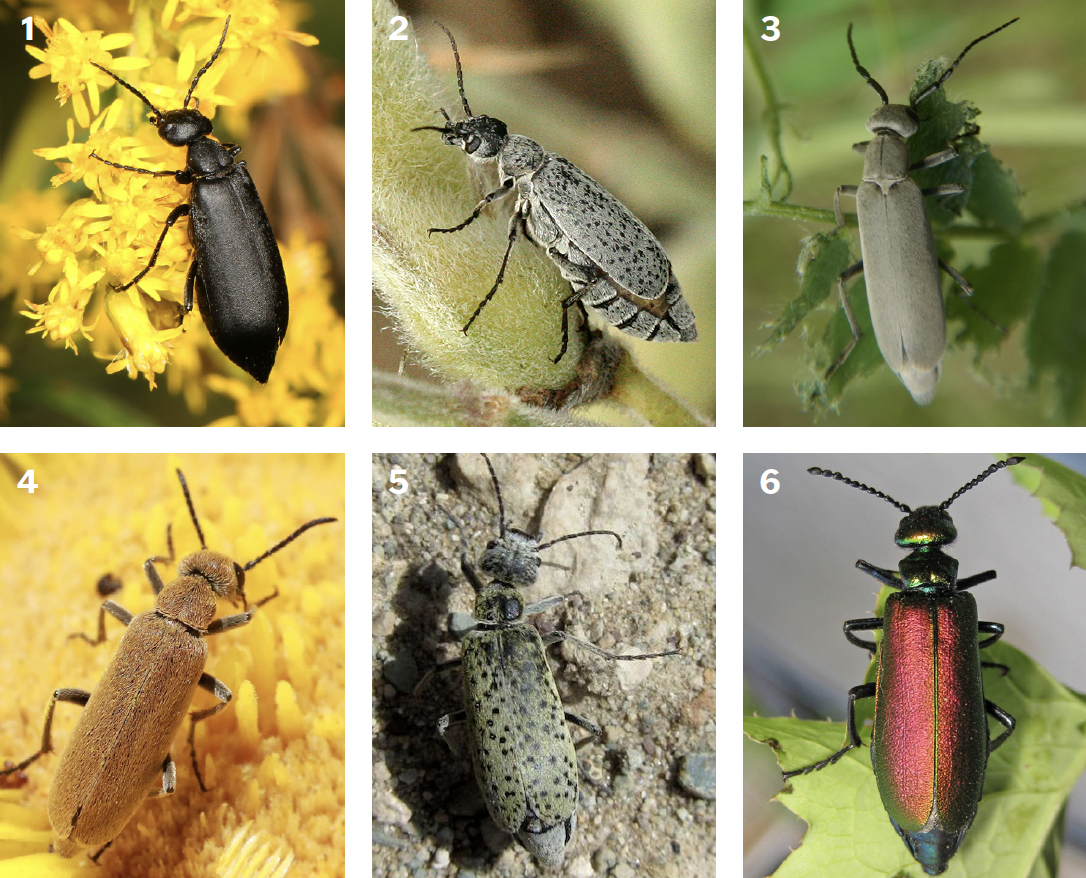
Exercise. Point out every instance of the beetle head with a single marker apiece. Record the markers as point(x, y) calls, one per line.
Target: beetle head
point(182, 127)
point(177, 127)
point(926, 526)
point(481, 137)
point(894, 117)
point(513, 558)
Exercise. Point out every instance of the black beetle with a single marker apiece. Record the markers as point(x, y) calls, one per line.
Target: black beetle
point(236, 270)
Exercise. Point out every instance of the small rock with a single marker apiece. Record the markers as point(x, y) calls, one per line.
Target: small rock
point(697, 775)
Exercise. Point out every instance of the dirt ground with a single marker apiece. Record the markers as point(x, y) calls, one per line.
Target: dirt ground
point(657, 592)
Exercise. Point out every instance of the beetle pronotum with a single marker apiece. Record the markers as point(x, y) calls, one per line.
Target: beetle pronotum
point(119, 752)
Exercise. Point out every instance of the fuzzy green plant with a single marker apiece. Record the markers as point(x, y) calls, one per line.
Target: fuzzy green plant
point(431, 284)
point(1015, 350)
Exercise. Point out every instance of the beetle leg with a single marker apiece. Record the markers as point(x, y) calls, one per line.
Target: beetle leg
point(844, 190)
point(437, 669)
point(939, 158)
point(219, 689)
point(996, 630)
point(169, 779)
point(190, 280)
point(175, 214)
point(562, 637)
point(235, 621)
point(975, 579)
point(152, 575)
point(862, 625)
point(514, 221)
point(114, 609)
point(567, 303)
point(845, 275)
point(594, 731)
point(101, 850)
point(149, 565)
point(883, 575)
point(70, 696)
point(964, 293)
point(470, 574)
point(443, 723)
point(1003, 718)
point(993, 628)
point(497, 193)
point(542, 606)
point(866, 690)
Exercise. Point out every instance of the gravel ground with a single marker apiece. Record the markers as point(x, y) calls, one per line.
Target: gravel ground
point(656, 592)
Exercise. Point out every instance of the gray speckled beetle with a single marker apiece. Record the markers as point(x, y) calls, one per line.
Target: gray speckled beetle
point(520, 743)
point(610, 258)
point(899, 262)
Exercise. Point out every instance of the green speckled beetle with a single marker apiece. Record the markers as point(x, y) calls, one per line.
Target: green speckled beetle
point(520, 743)
point(930, 740)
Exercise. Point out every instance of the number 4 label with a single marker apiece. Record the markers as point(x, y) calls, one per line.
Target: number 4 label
point(27, 481)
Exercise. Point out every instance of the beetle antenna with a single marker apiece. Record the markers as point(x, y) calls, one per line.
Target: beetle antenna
point(132, 89)
point(459, 71)
point(203, 69)
point(584, 533)
point(815, 471)
point(445, 130)
point(192, 511)
point(995, 467)
point(950, 70)
point(497, 488)
point(289, 539)
point(863, 72)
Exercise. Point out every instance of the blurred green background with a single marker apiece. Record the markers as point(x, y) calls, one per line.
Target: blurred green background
point(1029, 83)
point(597, 82)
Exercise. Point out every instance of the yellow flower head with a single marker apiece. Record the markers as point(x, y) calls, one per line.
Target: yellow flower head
point(114, 236)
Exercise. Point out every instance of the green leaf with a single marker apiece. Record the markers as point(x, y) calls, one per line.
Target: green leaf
point(823, 257)
point(1062, 492)
point(990, 192)
point(1057, 335)
point(1026, 785)
point(1006, 290)
point(994, 199)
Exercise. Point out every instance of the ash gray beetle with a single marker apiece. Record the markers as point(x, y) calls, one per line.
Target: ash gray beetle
point(610, 258)
point(899, 262)
point(521, 748)
point(236, 269)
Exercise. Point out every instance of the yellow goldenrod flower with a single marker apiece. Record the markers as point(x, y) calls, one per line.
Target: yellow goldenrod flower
point(110, 237)
point(147, 346)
